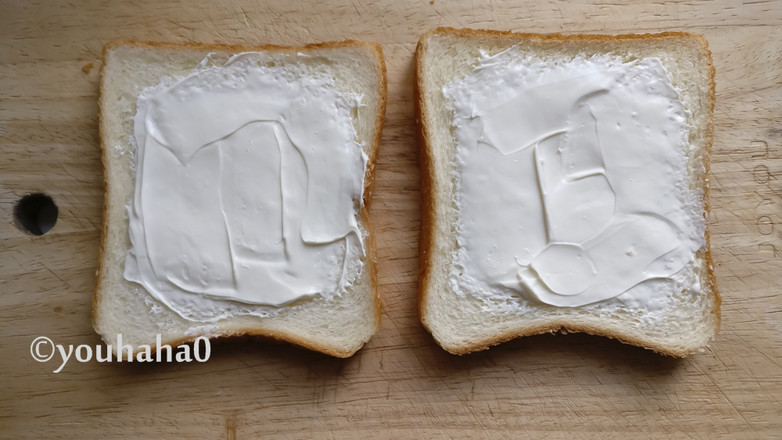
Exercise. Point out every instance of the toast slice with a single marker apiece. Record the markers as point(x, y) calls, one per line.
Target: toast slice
point(565, 188)
point(295, 131)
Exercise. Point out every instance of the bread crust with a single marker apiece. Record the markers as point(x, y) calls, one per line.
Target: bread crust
point(429, 183)
point(376, 52)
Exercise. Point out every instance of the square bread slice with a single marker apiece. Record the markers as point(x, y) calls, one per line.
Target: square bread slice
point(237, 184)
point(565, 188)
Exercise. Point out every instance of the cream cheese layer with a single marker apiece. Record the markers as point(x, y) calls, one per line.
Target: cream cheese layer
point(572, 178)
point(248, 183)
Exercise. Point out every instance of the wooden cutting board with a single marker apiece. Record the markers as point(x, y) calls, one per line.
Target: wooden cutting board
point(401, 385)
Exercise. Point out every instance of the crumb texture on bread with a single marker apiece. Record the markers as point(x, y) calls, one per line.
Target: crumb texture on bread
point(337, 326)
point(464, 323)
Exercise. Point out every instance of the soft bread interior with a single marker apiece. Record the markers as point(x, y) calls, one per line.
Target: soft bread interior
point(338, 326)
point(464, 323)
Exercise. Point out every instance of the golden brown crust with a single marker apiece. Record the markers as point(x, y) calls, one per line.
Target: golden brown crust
point(375, 48)
point(428, 183)
point(371, 262)
point(369, 181)
point(712, 97)
point(261, 333)
point(96, 297)
point(558, 38)
point(565, 328)
point(425, 239)
point(371, 258)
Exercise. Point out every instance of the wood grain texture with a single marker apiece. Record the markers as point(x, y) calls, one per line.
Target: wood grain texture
point(401, 385)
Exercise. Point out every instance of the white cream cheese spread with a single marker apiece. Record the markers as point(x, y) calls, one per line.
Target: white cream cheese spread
point(248, 183)
point(571, 179)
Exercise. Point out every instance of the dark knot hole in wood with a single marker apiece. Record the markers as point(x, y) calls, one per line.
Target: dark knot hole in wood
point(36, 214)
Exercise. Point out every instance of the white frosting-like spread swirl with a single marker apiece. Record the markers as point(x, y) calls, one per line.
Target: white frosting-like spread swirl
point(248, 183)
point(571, 177)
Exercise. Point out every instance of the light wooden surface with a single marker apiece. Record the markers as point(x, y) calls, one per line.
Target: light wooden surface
point(401, 385)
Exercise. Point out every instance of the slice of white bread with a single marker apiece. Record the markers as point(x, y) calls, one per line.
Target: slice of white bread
point(338, 325)
point(466, 321)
